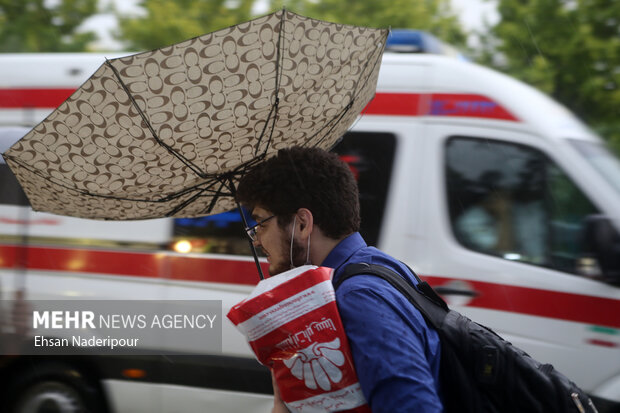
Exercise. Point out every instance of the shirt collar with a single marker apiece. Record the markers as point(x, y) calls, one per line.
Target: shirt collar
point(344, 250)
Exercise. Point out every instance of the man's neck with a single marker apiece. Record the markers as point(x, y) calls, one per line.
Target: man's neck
point(321, 246)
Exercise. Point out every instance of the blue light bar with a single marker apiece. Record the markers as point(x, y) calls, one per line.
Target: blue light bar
point(412, 41)
point(417, 41)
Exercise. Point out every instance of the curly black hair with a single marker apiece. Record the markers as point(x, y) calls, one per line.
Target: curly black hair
point(305, 178)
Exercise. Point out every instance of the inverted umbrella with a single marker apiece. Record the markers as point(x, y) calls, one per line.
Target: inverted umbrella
point(168, 132)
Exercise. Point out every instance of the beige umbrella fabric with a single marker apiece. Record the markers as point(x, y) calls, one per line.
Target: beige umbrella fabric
point(168, 132)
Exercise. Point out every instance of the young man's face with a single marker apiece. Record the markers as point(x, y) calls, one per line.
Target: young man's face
point(275, 242)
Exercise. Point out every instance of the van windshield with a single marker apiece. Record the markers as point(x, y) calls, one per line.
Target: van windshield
point(601, 159)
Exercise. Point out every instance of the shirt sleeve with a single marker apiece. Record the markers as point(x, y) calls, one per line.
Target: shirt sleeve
point(391, 350)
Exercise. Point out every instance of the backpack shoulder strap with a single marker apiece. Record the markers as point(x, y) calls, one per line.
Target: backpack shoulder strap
point(427, 302)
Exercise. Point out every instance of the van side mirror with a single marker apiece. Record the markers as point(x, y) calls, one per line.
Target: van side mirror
point(601, 246)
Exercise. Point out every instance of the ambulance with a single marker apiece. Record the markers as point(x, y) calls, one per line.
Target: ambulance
point(491, 191)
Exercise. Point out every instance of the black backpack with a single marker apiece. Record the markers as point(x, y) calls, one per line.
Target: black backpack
point(479, 371)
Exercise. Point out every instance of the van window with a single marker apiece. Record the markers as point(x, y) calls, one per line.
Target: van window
point(514, 202)
point(370, 157)
point(11, 192)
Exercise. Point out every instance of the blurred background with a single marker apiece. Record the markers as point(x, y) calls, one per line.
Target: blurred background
point(568, 49)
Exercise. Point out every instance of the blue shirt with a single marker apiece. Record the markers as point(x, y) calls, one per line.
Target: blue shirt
point(396, 355)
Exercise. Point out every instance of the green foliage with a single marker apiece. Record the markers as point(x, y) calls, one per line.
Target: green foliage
point(567, 48)
point(34, 26)
point(434, 16)
point(170, 21)
point(611, 131)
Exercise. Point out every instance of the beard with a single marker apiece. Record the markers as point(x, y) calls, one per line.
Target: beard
point(299, 257)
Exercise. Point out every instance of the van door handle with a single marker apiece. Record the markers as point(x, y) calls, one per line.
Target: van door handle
point(456, 288)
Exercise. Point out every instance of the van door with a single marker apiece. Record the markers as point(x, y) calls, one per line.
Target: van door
point(503, 229)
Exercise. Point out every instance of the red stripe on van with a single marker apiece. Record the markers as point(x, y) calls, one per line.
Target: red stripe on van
point(603, 343)
point(42, 221)
point(473, 106)
point(397, 104)
point(138, 264)
point(437, 104)
point(33, 98)
point(542, 303)
point(394, 104)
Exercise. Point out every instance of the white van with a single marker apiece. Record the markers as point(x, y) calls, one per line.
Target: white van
point(490, 190)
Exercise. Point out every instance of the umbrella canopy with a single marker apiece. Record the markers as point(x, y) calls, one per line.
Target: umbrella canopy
point(169, 132)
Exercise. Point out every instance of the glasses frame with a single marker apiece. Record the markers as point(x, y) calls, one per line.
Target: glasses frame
point(253, 230)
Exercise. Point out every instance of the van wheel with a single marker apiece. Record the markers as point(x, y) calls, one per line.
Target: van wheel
point(50, 397)
point(55, 388)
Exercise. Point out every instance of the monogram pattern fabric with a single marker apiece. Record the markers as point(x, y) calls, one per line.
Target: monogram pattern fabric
point(167, 132)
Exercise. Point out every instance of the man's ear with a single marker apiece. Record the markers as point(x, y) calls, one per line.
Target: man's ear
point(305, 221)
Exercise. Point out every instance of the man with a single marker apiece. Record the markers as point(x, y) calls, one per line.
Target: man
point(306, 205)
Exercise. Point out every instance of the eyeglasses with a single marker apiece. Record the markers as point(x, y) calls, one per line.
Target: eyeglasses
point(251, 231)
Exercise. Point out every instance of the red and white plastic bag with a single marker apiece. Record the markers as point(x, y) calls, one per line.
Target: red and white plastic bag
point(292, 324)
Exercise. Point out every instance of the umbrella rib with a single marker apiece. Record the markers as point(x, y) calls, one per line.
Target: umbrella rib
point(276, 104)
point(223, 179)
point(216, 195)
point(180, 157)
point(185, 203)
point(191, 189)
point(331, 125)
point(356, 92)
point(376, 61)
point(260, 138)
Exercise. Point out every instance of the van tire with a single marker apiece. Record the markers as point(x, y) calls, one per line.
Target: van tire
point(54, 387)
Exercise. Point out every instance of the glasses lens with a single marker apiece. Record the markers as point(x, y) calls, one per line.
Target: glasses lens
point(251, 233)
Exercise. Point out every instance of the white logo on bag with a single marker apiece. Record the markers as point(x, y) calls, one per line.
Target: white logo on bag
point(318, 364)
point(293, 341)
